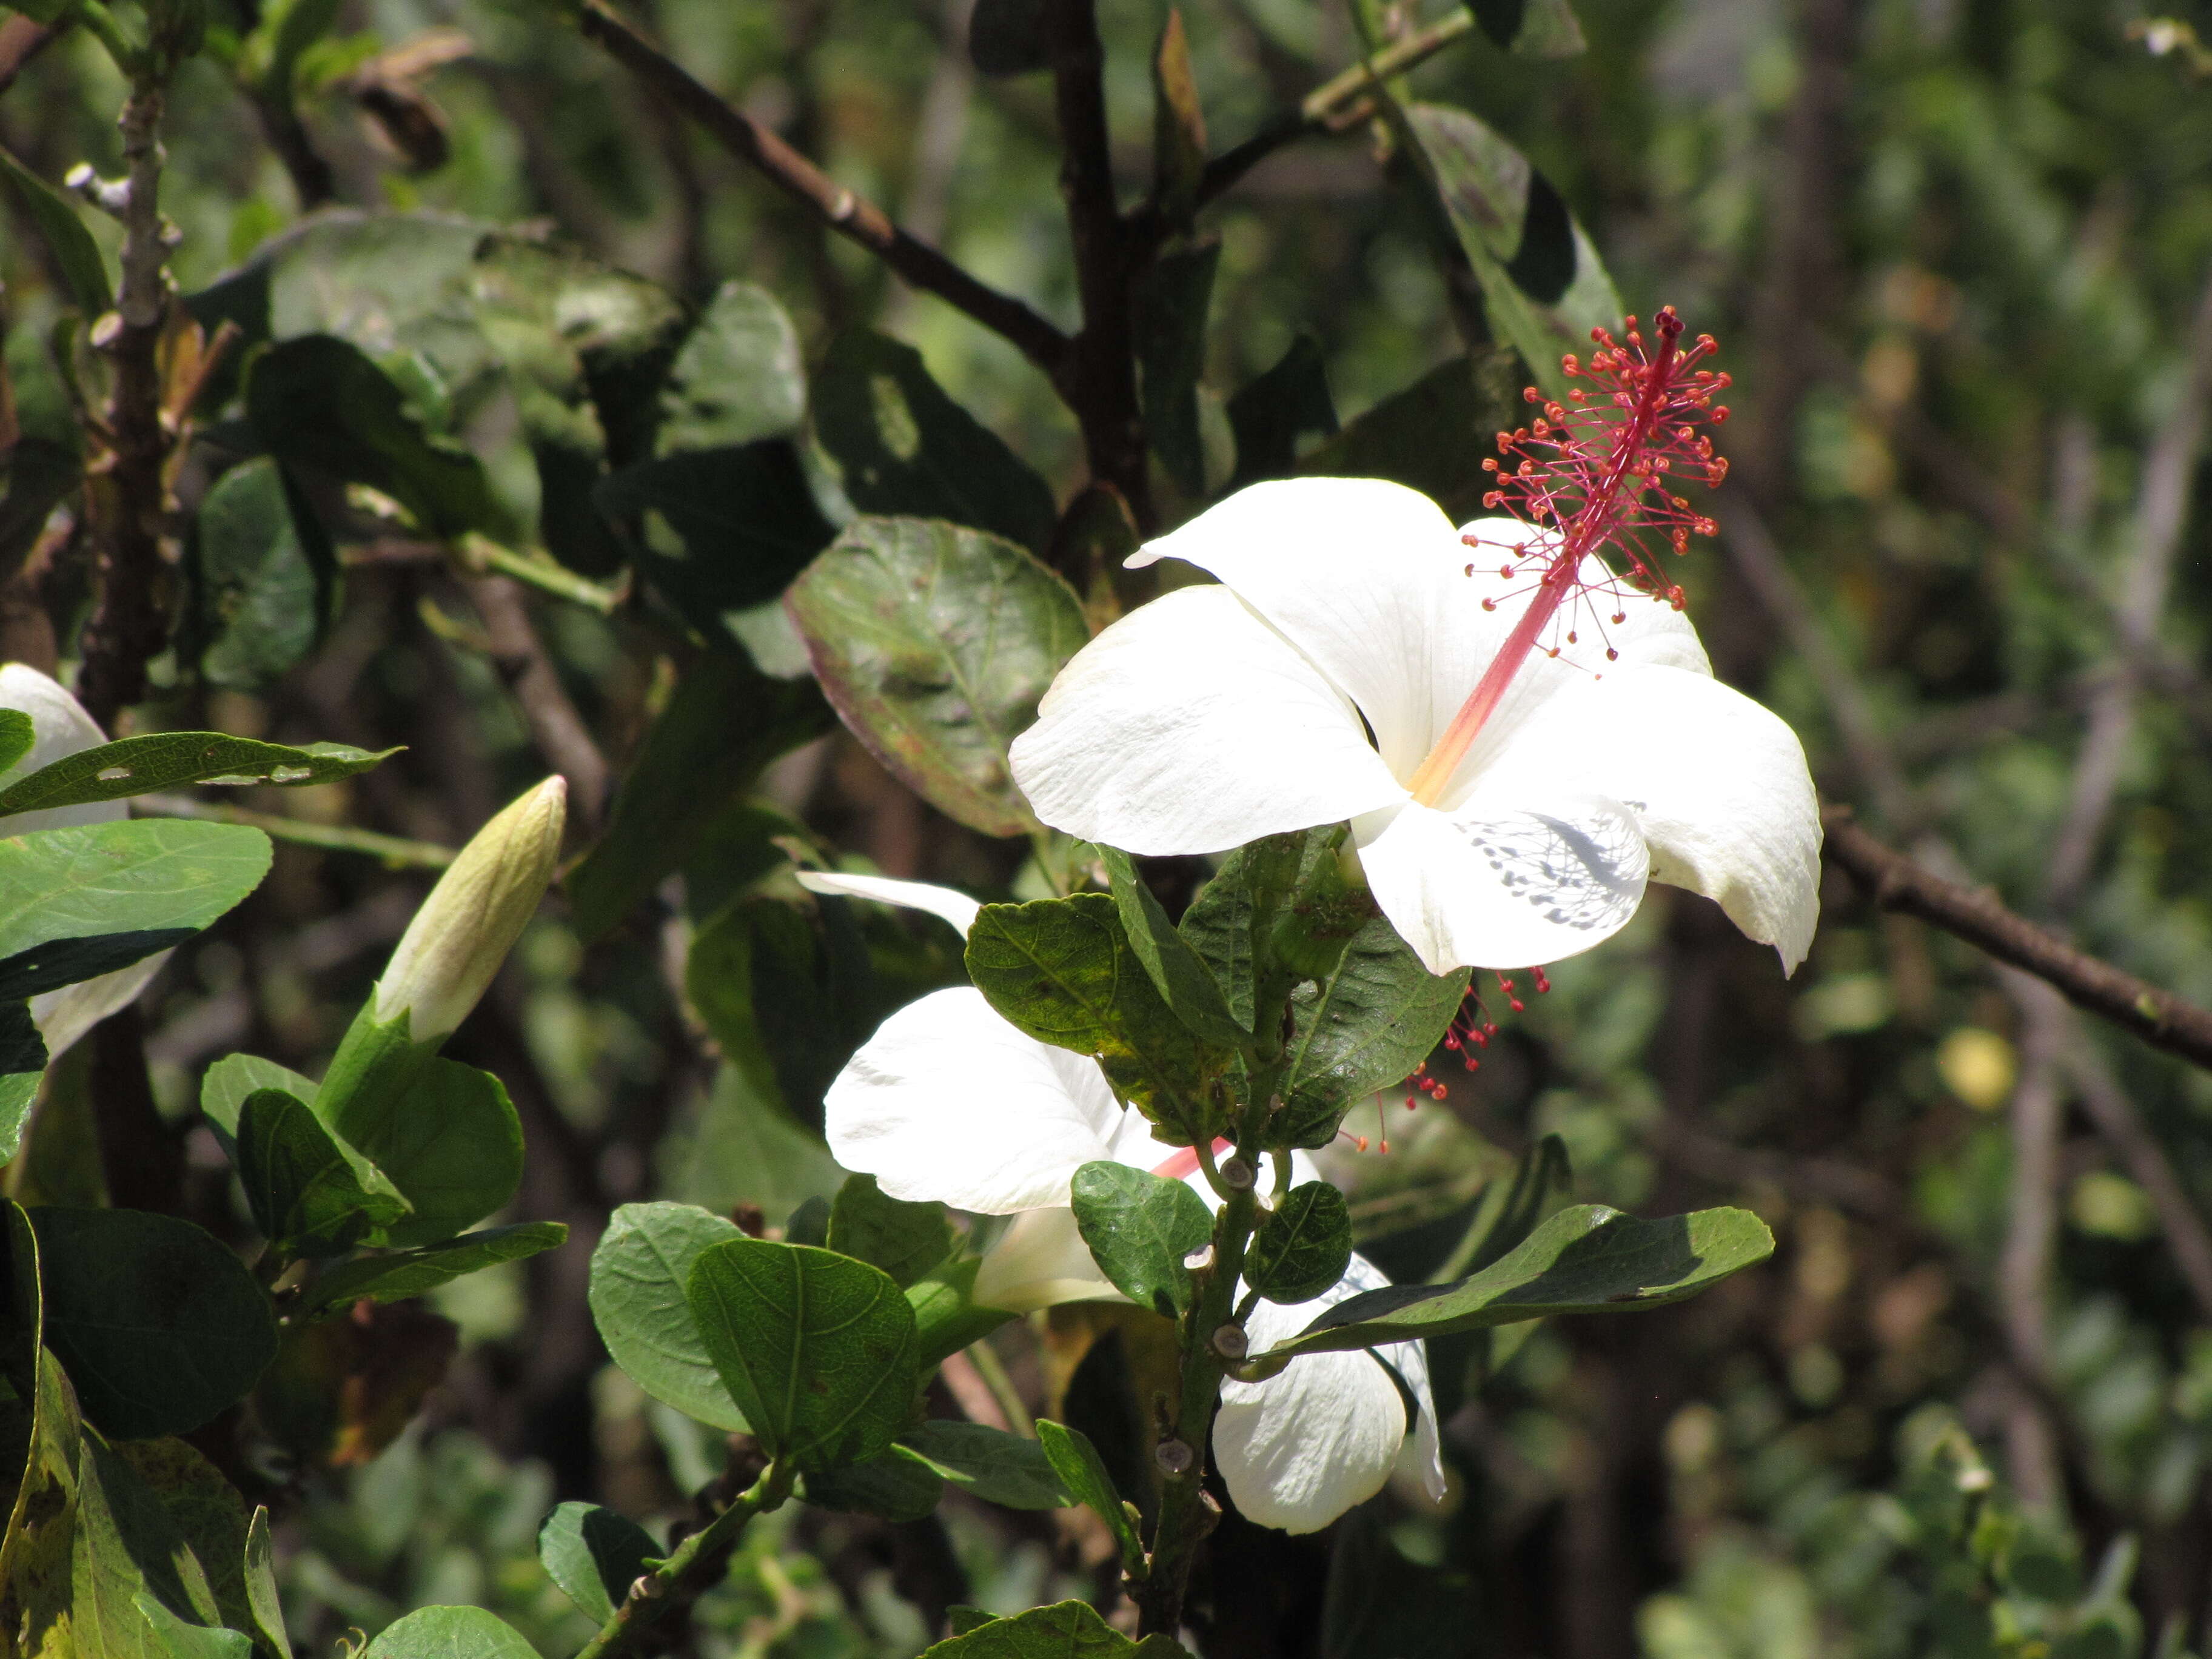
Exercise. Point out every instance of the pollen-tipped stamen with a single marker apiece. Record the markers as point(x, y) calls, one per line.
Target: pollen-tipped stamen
point(1592, 474)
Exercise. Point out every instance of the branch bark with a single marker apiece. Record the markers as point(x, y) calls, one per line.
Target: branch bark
point(845, 211)
point(1896, 883)
point(558, 730)
point(1097, 380)
point(131, 623)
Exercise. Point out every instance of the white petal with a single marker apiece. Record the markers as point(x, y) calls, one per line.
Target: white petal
point(1510, 879)
point(59, 728)
point(1040, 1262)
point(64, 1015)
point(1410, 1360)
point(948, 1101)
point(1189, 726)
point(1719, 784)
point(954, 907)
point(1300, 1449)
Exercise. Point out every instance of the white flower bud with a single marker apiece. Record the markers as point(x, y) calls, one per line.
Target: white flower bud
point(473, 916)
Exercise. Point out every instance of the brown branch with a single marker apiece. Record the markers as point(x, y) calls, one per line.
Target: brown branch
point(557, 729)
point(2161, 509)
point(21, 40)
point(1895, 882)
point(131, 623)
point(2123, 1127)
point(1098, 379)
point(845, 211)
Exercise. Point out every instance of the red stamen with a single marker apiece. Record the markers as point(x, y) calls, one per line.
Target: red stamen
point(1592, 475)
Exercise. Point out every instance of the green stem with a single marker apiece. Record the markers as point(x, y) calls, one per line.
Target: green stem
point(689, 1570)
point(394, 850)
point(1185, 1520)
point(537, 571)
point(992, 1371)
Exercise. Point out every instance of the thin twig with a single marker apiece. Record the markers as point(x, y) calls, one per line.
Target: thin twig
point(130, 625)
point(1896, 883)
point(539, 570)
point(555, 726)
point(843, 211)
point(394, 850)
point(2161, 509)
point(2123, 1127)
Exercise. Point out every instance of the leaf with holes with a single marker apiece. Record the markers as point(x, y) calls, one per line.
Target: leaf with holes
point(170, 760)
point(935, 643)
point(817, 1349)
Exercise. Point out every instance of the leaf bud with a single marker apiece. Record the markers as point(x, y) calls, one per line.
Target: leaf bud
point(473, 916)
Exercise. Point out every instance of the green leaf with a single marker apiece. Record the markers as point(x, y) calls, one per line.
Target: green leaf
point(1139, 1227)
point(17, 734)
point(311, 1194)
point(450, 1633)
point(991, 1464)
point(1270, 414)
point(23, 1062)
point(784, 989)
point(1007, 37)
point(935, 643)
point(726, 722)
point(809, 1224)
point(448, 1138)
point(137, 1590)
point(718, 531)
point(904, 1240)
point(1432, 435)
point(897, 1485)
point(1505, 1213)
point(206, 1509)
point(169, 760)
point(1063, 971)
point(82, 902)
point(1304, 1246)
point(1067, 1630)
point(1587, 1259)
point(737, 377)
point(227, 1082)
point(1172, 310)
point(261, 1586)
point(1279, 911)
point(403, 1273)
point(959, 1620)
point(84, 272)
point(159, 1325)
point(744, 1148)
point(640, 1300)
point(319, 401)
point(902, 446)
point(1532, 28)
point(946, 1316)
point(1176, 970)
point(265, 579)
point(817, 1350)
point(594, 1554)
point(1083, 1472)
point(1364, 1028)
point(1542, 283)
